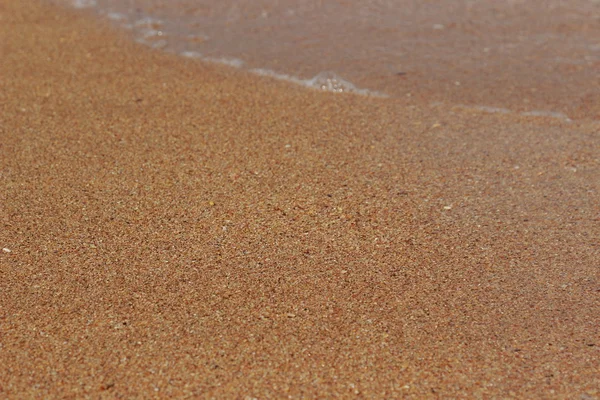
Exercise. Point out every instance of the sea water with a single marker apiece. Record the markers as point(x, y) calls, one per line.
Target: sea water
point(540, 57)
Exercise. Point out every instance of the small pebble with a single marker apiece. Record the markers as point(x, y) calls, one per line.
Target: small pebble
point(6, 250)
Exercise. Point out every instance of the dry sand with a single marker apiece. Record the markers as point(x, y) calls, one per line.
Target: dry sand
point(171, 228)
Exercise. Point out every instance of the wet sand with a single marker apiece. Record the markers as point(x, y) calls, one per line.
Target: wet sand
point(171, 228)
point(528, 56)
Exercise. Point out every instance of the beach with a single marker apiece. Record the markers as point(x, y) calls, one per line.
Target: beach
point(174, 228)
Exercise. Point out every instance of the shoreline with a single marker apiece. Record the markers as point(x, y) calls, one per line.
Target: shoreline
point(183, 229)
point(528, 73)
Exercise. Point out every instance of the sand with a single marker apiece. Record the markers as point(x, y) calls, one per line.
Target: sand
point(177, 229)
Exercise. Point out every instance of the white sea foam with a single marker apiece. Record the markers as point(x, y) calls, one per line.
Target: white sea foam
point(326, 81)
point(499, 110)
point(232, 62)
point(550, 114)
point(331, 82)
point(272, 74)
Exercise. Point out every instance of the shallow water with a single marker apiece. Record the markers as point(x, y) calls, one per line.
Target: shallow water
point(540, 57)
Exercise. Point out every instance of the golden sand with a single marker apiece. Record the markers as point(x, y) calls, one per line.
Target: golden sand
point(176, 229)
